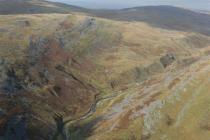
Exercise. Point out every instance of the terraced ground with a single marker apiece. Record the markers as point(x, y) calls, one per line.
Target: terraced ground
point(110, 80)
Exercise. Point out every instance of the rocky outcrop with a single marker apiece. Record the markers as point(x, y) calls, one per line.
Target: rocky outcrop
point(3, 66)
point(44, 78)
point(36, 50)
point(167, 59)
point(16, 77)
point(139, 74)
point(12, 83)
point(16, 128)
point(89, 22)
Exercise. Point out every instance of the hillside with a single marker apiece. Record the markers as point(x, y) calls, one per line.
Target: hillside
point(166, 17)
point(49, 69)
point(35, 6)
point(133, 74)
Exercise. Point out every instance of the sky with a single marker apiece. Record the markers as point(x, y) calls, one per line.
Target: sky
point(119, 4)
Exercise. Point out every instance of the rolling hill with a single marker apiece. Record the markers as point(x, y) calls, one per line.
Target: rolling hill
point(35, 6)
point(167, 17)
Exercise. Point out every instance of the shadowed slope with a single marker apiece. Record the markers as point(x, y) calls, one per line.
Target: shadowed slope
point(167, 17)
point(35, 6)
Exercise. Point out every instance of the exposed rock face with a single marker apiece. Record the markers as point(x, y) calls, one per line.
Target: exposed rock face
point(12, 83)
point(16, 128)
point(36, 50)
point(2, 70)
point(14, 77)
point(139, 74)
point(88, 23)
point(38, 76)
point(44, 57)
point(167, 59)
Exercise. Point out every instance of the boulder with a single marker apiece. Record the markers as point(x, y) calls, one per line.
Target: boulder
point(12, 83)
point(167, 59)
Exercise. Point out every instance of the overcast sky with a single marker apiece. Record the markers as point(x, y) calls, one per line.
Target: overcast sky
point(118, 4)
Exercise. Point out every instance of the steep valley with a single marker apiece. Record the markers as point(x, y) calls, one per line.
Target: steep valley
point(109, 79)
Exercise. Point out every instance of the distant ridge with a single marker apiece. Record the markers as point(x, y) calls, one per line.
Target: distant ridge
point(167, 17)
point(35, 6)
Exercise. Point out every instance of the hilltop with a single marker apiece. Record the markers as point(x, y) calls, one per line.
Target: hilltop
point(35, 6)
point(166, 17)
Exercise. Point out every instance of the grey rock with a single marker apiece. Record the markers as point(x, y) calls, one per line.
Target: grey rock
point(167, 60)
point(36, 49)
point(2, 61)
point(11, 83)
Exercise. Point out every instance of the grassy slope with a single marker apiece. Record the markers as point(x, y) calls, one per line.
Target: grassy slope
point(105, 49)
point(120, 47)
point(169, 106)
point(166, 17)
